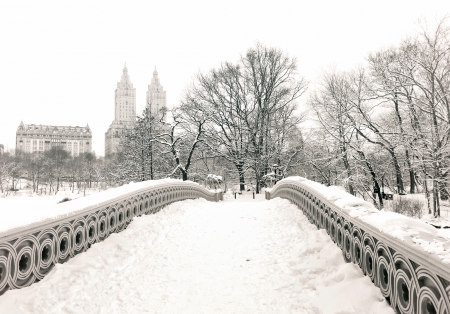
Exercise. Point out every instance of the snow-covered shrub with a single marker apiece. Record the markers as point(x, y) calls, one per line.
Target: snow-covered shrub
point(213, 180)
point(408, 206)
point(65, 199)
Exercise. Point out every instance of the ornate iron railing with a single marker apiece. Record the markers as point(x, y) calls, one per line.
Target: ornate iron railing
point(28, 253)
point(411, 280)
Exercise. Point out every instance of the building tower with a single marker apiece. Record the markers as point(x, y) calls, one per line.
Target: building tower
point(124, 113)
point(156, 97)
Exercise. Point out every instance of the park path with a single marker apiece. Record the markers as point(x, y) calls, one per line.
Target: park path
point(194, 256)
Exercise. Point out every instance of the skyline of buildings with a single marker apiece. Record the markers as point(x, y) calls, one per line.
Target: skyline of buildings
point(76, 140)
point(125, 108)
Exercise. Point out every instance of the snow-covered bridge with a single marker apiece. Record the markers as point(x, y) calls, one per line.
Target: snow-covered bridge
point(236, 256)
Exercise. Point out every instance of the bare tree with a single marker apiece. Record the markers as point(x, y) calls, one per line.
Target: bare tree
point(395, 93)
point(331, 105)
point(189, 121)
point(248, 106)
point(363, 117)
point(424, 63)
point(56, 158)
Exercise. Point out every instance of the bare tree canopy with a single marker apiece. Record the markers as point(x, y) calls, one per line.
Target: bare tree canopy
point(249, 107)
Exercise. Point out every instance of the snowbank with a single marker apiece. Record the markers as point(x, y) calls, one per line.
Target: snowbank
point(18, 212)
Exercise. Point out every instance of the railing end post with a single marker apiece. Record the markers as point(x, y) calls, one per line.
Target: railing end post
point(219, 196)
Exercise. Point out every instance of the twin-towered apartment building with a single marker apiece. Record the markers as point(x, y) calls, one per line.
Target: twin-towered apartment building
point(77, 140)
point(125, 108)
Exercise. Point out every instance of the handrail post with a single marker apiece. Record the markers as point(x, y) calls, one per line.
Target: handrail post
point(267, 195)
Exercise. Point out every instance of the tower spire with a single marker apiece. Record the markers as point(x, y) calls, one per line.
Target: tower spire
point(155, 79)
point(125, 79)
point(156, 96)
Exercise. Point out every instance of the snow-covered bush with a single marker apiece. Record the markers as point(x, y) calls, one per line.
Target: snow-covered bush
point(65, 199)
point(213, 180)
point(408, 206)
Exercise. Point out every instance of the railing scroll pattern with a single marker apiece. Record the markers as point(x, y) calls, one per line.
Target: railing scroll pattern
point(411, 280)
point(27, 254)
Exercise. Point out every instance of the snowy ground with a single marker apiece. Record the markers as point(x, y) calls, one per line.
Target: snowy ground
point(237, 256)
point(443, 221)
point(25, 207)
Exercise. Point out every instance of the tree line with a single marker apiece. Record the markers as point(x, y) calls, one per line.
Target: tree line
point(385, 124)
point(46, 172)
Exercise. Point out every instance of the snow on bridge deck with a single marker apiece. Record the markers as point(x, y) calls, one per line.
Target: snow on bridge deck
point(238, 256)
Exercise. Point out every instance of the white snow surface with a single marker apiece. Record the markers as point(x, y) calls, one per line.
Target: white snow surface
point(16, 212)
point(240, 256)
point(423, 235)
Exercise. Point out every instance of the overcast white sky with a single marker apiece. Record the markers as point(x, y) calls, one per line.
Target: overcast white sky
point(60, 61)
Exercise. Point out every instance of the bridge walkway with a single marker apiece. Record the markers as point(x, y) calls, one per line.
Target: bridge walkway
point(195, 256)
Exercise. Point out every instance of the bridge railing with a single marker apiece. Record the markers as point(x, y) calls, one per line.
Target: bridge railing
point(28, 253)
point(412, 280)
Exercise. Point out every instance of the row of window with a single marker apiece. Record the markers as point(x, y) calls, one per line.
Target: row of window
point(54, 136)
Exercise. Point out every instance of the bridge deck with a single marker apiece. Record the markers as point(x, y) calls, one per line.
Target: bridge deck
point(244, 256)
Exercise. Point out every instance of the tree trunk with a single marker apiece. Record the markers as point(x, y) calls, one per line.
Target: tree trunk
point(411, 171)
point(37, 181)
point(258, 183)
point(240, 170)
point(412, 181)
point(143, 165)
point(374, 177)
point(151, 161)
point(443, 189)
point(398, 173)
point(347, 168)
